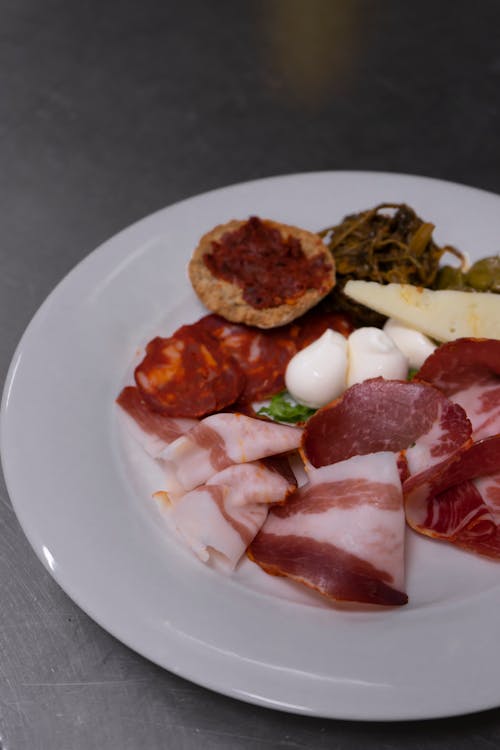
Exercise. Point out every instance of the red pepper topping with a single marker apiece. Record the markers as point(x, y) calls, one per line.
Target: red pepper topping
point(270, 270)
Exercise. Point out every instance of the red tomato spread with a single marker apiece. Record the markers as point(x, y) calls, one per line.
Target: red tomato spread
point(270, 269)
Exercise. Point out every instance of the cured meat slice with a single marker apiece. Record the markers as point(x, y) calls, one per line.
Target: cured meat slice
point(263, 355)
point(468, 372)
point(489, 489)
point(486, 546)
point(188, 375)
point(314, 323)
point(224, 515)
point(219, 441)
point(462, 516)
point(212, 364)
point(473, 460)
point(387, 415)
point(459, 501)
point(152, 430)
point(342, 533)
point(456, 512)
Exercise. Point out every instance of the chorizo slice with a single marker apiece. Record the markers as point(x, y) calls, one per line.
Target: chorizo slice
point(188, 375)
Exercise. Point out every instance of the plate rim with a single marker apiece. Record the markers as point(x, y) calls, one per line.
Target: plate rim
point(30, 533)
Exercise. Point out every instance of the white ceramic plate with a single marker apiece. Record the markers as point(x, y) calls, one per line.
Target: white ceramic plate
point(76, 487)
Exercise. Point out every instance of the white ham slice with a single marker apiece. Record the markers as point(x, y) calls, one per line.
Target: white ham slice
point(225, 514)
point(152, 431)
point(219, 441)
point(342, 533)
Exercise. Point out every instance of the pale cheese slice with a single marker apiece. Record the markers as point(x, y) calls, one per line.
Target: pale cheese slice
point(443, 315)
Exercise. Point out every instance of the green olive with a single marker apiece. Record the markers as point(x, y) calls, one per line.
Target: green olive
point(484, 275)
point(449, 277)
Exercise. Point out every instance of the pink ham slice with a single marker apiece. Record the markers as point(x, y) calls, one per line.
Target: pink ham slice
point(219, 441)
point(223, 516)
point(342, 533)
point(387, 415)
point(468, 372)
point(152, 430)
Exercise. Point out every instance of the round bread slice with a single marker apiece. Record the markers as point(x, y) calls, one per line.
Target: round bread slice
point(227, 297)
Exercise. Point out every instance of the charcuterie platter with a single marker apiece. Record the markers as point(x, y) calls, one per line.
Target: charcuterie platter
point(94, 523)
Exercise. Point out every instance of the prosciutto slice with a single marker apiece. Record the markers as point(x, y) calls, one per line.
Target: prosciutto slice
point(224, 515)
point(472, 461)
point(489, 488)
point(459, 501)
point(219, 441)
point(342, 533)
point(152, 430)
point(468, 372)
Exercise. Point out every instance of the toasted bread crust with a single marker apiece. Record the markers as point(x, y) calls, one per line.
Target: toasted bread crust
point(226, 298)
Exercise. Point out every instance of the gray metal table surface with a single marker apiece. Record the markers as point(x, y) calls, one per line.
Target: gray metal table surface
point(109, 111)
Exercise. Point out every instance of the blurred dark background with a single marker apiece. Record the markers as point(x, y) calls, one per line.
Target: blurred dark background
point(110, 110)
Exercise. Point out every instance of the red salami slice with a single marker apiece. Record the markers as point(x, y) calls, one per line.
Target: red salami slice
point(263, 355)
point(188, 375)
point(314, 323)
point(387, 415)
point(468, 371)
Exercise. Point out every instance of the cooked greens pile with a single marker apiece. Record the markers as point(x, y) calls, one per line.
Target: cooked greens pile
point(283, 408)
point(388, 243)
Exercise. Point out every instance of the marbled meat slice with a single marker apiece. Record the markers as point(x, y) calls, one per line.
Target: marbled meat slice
point(468, 372)
point(188, 375)
point(342, 533)
point(152, 430)
point(224, 515)
point(471, 461)
point(218, 441)
point(489, 489)
point(459, 501)
point(387, 415)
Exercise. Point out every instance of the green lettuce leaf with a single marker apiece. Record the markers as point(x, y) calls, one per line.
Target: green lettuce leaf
point(283, 408)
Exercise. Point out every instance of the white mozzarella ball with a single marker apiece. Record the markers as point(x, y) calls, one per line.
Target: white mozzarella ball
point(414, 345)
point(373, 354)
point(317, 374)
